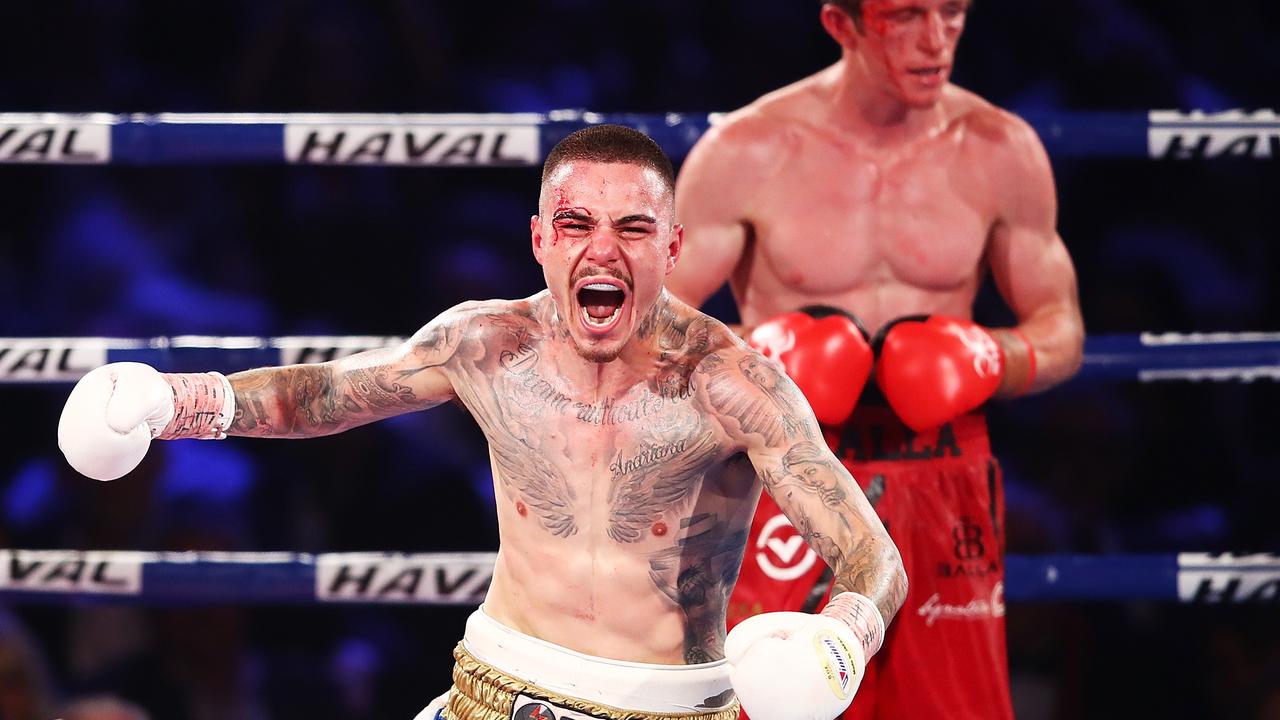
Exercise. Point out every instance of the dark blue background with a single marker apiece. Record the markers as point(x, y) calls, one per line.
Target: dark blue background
point(273, 250)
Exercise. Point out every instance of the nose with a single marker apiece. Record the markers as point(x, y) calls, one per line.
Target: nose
point(933, 39)
point(602, 248)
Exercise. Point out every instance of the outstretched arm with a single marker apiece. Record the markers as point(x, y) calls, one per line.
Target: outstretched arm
point(762, 408)
point(298, 401)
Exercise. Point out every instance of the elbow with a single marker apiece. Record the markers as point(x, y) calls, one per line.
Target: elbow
point(898, 584)
point(1074, 359)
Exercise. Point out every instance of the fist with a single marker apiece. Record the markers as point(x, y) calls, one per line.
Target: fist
point(111, 416)
point(825, 352)
point(794, 666)
point(934, 369)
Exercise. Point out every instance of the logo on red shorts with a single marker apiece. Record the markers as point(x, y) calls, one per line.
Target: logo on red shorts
point(781, 552)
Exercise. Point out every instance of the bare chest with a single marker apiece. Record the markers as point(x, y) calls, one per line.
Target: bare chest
point(630, 465)
point(839, 220)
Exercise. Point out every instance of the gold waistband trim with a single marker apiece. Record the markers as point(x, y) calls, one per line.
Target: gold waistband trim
point(482, 692)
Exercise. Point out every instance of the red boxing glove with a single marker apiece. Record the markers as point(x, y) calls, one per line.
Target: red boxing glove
point(825, 351)
point(934, 369)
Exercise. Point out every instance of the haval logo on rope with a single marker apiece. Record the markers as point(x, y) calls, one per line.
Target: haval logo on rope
point(781, 552)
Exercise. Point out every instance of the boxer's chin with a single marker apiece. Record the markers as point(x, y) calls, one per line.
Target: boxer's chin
point(602, 348)
point(597, 353)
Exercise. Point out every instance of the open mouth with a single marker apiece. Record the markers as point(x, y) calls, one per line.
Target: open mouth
point(600, 302)
point(932, 75)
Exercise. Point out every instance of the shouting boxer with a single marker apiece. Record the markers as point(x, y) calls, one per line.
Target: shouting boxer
point(881, 193)
point(626, 433)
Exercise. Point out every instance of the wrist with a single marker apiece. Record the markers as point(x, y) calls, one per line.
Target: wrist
point(1019, 357)
point(1031, 360)
point(203, 406)
point(862, 616)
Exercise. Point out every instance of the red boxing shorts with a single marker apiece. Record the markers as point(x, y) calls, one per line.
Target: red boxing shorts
point(939, 494)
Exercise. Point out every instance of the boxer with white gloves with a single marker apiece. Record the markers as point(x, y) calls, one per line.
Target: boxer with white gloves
point(630, 437)
point(116, 410)
point(798, 666)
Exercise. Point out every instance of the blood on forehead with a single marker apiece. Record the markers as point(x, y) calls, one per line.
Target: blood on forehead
point(876, 14)
point(561, 199)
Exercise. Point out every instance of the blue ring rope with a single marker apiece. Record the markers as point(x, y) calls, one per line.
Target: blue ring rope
point(194, 578)
point(522, 139)
point(1147, 357)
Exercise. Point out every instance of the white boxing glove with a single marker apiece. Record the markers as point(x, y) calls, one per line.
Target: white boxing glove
point(797, 666)
point(115, 410)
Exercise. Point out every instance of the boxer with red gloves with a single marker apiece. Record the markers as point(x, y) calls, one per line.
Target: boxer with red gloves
point(878, 187)
point(912, 431)
point(932, 369)
point(825, 351)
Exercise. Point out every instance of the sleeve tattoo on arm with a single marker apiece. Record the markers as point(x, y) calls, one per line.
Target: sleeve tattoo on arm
point(805, 473)
point(307, 400)
point(765, 407)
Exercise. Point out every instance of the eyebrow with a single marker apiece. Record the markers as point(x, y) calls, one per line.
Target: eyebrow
point(636, 218)
point(572, 215)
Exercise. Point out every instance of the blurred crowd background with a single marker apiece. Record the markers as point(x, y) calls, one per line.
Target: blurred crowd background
point(274, 250)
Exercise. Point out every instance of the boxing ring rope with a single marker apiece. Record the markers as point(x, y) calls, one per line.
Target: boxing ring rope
point(195, 578)
point(1145, 357)
point(522, 139)
point(462, 578)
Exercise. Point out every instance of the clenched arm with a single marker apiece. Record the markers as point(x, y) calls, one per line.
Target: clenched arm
point(761, 408)
point(299, 401)
point(1031, 267)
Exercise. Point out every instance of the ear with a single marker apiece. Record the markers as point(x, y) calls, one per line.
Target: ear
point(535, 232)
point(674, 246)
point(840, 26)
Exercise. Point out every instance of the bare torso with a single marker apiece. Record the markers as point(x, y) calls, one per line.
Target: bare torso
point(626, 487)
point(622, 510)
point(879, 229)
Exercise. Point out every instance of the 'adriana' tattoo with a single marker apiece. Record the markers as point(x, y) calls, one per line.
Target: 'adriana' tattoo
point(654, 480)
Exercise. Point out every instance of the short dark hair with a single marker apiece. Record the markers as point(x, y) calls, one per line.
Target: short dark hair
point(852, 8)
point(611, 144)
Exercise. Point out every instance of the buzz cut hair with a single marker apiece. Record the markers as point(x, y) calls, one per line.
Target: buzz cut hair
point(611, 144)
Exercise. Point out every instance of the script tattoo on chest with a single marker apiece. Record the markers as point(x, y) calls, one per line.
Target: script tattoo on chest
point(657, 477)
point(523, 407)
point(519, 445)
